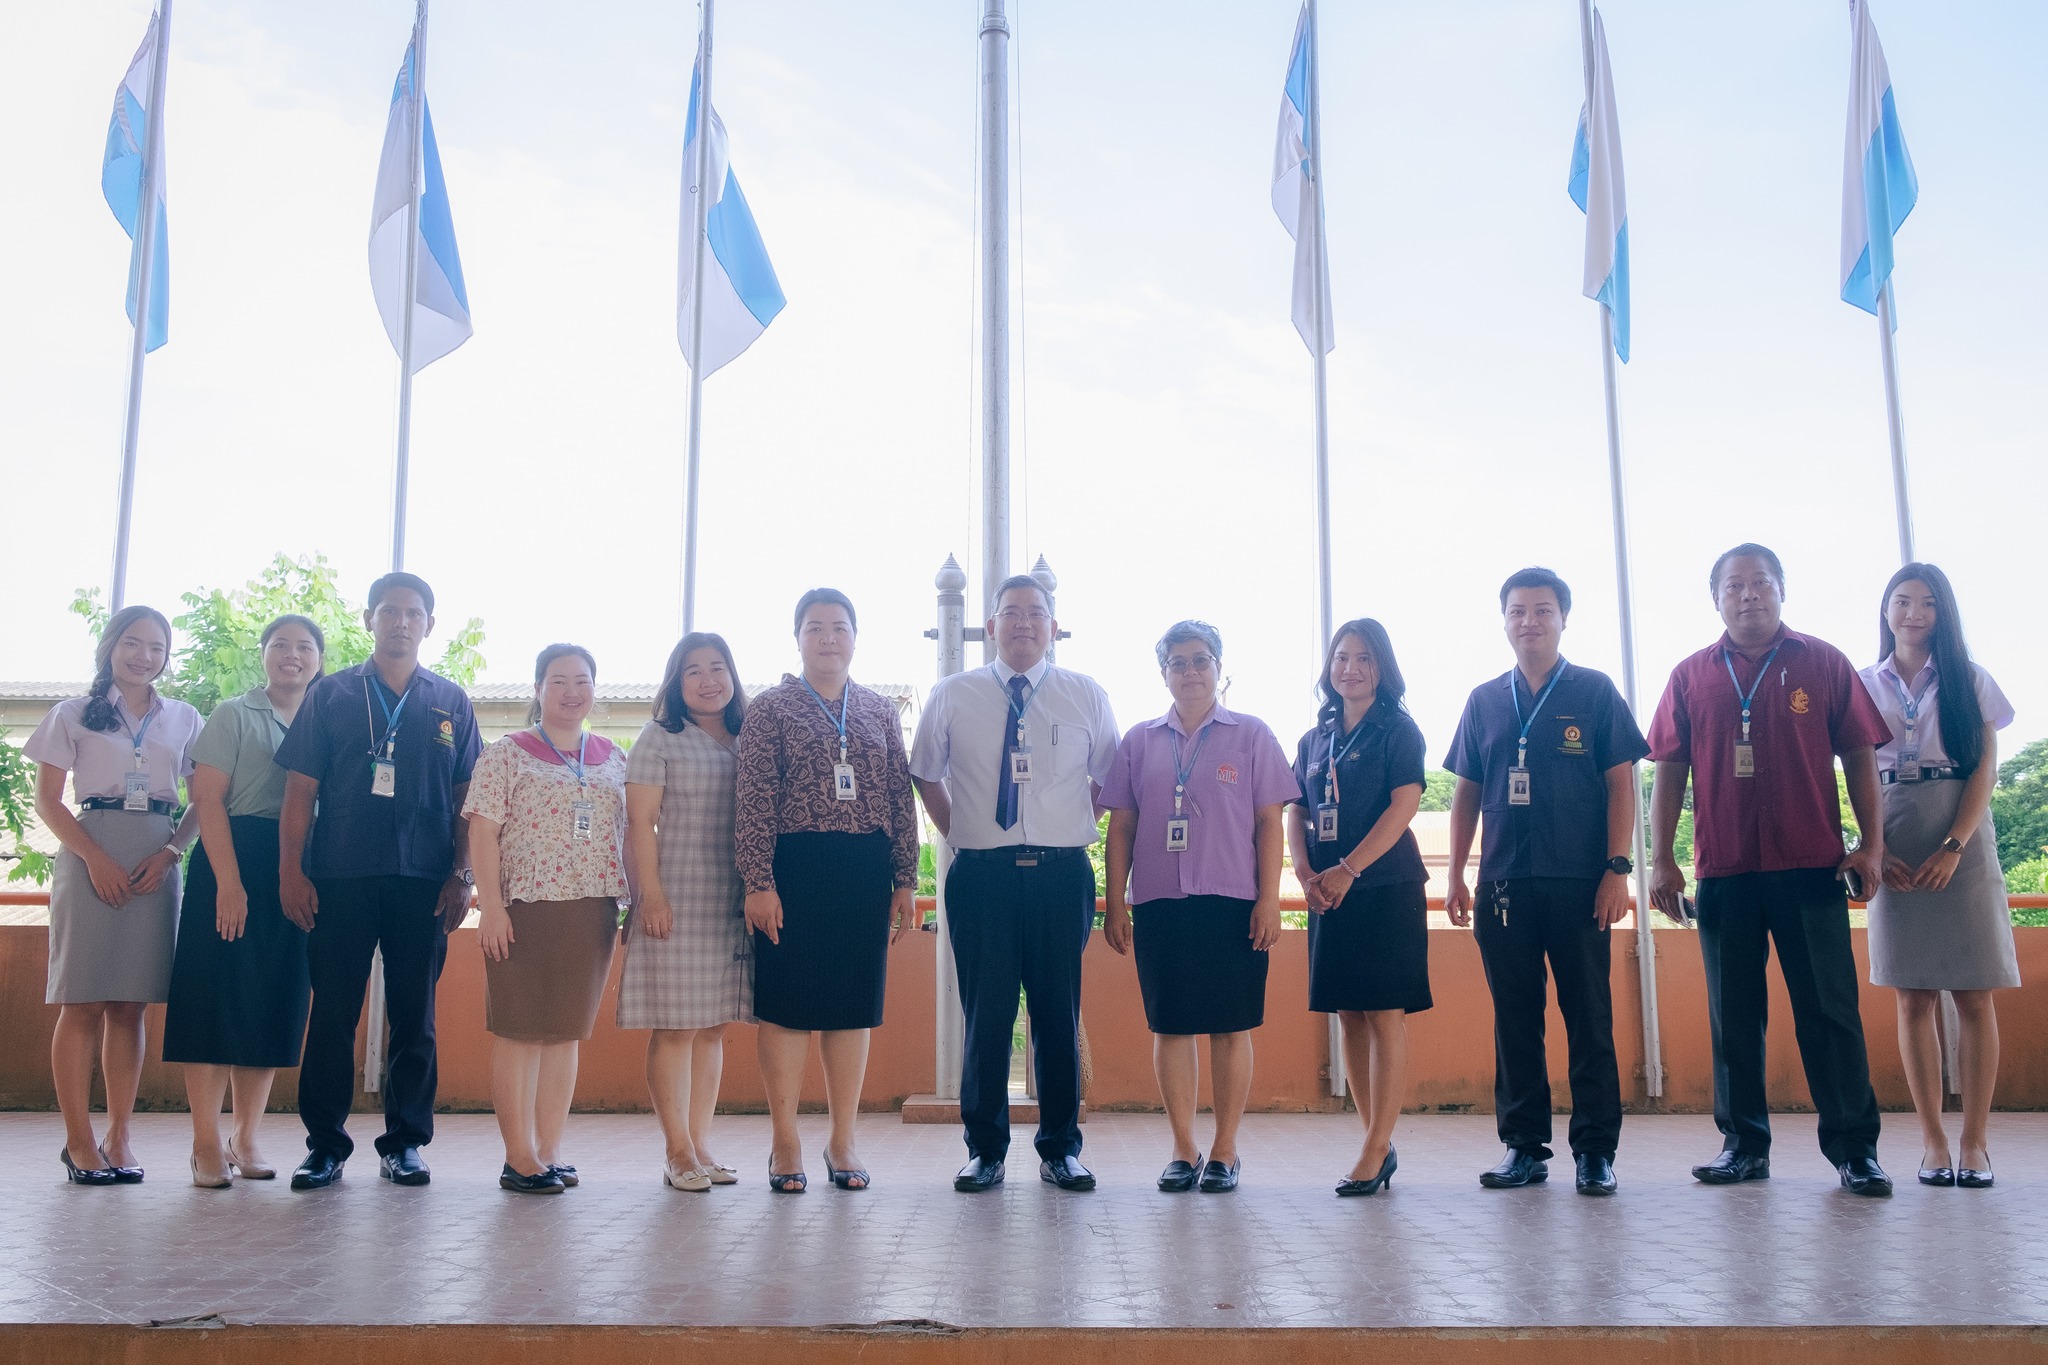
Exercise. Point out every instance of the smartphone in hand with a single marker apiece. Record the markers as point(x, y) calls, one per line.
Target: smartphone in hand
point(1853, 880)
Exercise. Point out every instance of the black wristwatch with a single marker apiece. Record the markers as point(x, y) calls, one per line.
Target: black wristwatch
point(1620, 865)
point(1952, 845)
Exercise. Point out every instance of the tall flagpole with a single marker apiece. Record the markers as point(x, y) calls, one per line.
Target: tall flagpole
point(995, 300)
point(701, 216)
point(1646, 943)
point(145, 285)
point(1895, 425)
point(402, 472)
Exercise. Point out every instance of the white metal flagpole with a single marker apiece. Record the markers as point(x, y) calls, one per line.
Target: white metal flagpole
point(995, 300)
point(1646, 943)
point(1896, 427)
point(145, 284)
point(402, 471)
point(701, 218)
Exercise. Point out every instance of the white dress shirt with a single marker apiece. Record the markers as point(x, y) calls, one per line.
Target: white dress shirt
point(1069, 729)
point(1883, 683)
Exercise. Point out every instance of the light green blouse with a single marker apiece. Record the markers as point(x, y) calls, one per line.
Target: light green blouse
point(241, 739)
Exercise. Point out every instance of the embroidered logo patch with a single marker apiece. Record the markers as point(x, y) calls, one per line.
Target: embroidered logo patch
point(1227, 773)
point(1572, 737)
point(1800, 701)
point(447, 733)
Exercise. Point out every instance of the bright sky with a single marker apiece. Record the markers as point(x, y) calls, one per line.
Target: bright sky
point(1163, 398)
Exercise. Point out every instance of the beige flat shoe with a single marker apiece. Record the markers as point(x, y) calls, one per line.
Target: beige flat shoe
point(691, 1181)
point(211, 1182)
point(722, 1175)
point(248, 1171)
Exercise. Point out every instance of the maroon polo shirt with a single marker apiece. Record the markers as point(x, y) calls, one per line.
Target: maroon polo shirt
point(1809, 707)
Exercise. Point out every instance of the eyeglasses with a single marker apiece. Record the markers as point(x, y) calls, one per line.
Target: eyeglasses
point(1200, 663)
point(1010, 615)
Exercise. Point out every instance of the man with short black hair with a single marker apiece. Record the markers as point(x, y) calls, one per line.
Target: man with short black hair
point(1008, 760)
point(1756, 720)
point(1548, 752)
point(385, 750)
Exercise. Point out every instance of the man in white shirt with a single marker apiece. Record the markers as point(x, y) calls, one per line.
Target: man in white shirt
point(1008, 760)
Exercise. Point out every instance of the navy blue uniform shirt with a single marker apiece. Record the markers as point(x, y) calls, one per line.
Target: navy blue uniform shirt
point(1388, 754)
point(1583, 730)
point(412, 832)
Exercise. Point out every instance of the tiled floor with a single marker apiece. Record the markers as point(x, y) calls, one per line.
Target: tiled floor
point(1435, 1251)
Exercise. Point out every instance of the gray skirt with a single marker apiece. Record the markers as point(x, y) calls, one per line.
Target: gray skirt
point(1958, 938)
point(98, 953)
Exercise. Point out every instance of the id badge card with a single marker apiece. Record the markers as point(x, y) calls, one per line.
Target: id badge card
point(1745, 760)
point(1020, 765)
point(1518, 786)
point(1909, 766)
point(135, 789)
point(1326, 824)
point(844, 786)
point(582, 819)
point(383, 777)
point(1177, 835)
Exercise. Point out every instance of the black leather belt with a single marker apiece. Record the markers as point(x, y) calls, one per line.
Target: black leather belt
point(1891, 775)
point(156, 806)
point(1019, 855)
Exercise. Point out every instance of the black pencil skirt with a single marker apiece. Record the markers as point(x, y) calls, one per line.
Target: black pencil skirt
point(829, 970)
point(242, 1003)
point(1197, 969)
point(1371, 951)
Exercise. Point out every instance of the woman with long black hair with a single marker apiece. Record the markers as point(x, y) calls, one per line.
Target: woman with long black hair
point(1940, 922)
point(114, 898)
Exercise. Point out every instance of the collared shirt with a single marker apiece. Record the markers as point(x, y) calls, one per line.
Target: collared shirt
point(356, 833)
point(525, 788)
point(1238, 769)
point(99, 761)
point(1386, 756)
point(241, 739)
point(1809, 707)
point(1069, 729)
point(1882, 681)
point(1583, 730)
point(789, 746)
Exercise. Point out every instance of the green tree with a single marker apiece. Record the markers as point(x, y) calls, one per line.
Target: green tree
point(2019, 806)
point(17, 808)
point(1437, 786)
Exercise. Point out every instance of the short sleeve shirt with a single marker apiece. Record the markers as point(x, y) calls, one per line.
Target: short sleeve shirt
point(241, 739)
point(1809, 706)
point(531, 794)
point(1583, 729)
point(1236, 767)
point(357, 833)
point(1387, 754)
point(99, 761)
point(1890, 693)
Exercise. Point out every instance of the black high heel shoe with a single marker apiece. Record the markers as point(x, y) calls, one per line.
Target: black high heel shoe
point(1384, 1180)
point(103, 1176)
point(123, 1175)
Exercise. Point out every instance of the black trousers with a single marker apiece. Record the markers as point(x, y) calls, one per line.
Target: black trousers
point(1025, 927)
point(1806, 912)
point(359, 915)
point(1549, 918)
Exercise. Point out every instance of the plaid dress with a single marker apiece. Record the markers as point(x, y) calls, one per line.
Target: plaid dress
point(701, 974)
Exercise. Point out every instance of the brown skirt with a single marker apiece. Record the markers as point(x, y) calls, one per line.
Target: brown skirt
point(548, 987)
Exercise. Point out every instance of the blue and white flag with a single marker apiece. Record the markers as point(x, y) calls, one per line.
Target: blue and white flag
point(1878, 185)
point(741, 293)
point(121, 175)
point(440, 314)
point(1294, 192)
point(1596, 187)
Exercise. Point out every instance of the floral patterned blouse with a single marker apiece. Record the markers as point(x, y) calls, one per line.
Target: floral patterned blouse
point(788, 748)
point(522, 785)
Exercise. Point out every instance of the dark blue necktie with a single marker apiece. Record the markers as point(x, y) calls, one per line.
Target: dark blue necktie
point(1006, 785)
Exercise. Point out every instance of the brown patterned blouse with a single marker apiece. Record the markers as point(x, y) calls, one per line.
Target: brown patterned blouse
point(788, 747)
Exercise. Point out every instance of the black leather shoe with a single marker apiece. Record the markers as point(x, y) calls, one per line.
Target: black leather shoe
point(1938, 1175)
point(977, 1175)
point(123, 1175)
point(566, 1174)
point(1969, 1178)
point(547, 1182)
point(1862, 1175)
point(1067, 1173)
point(1731, 1168)
point(404, 1167)
point(318, 1171)
point(1180, 1176)
point(1347, 1188)
point(84, 1175)
point(1517, 1168)
point(1218, 1178)
point(1596, 1174)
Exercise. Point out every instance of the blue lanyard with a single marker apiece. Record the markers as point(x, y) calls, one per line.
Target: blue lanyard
point(582, 748)
point(1336, 755)
point(1908, 703)
point(1010, 697)
point(135, 736)
point(1536, 710)
point(1749, 696)
point(391, 715)
point(841, 722)
point(1182, 774)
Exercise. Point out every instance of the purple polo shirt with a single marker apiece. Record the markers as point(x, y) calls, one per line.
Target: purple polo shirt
point(1238, 768)
point(1809, 707)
